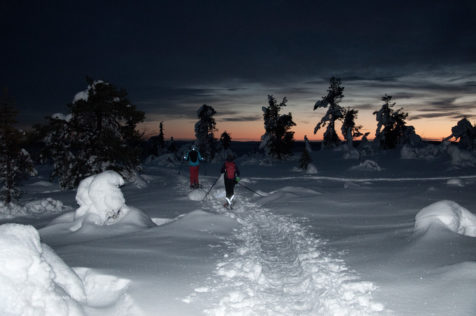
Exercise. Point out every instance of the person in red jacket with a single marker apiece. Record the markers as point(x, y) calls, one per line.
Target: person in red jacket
point(231, 177)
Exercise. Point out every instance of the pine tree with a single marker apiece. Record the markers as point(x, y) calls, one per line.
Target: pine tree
point(204, 128)
point(278, 139)
point(349, 129)
point(99, 134)
point(334, 112)
point(15, 161)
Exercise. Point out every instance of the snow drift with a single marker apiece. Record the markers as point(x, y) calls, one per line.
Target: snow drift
point(35, 281)
point(446, 214)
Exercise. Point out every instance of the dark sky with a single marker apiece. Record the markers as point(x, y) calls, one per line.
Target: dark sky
point(174, 56)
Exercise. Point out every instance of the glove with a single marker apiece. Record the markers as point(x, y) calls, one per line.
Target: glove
point(237, 179)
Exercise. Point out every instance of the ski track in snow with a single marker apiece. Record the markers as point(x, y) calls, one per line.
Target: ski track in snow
point(277, 268)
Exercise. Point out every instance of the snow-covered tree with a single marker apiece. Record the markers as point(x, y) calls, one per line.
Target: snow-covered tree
point(305, 159)
point(225, 140)
point(156, 144)
point(465, 133)
point(349, 129)
point(307, 144)
point(161, 141)
point(172, 147)
point(334, 112)
point(15, 161)
point(99, 134)
point(204, 129)
point(391, 128)
point(278, 139)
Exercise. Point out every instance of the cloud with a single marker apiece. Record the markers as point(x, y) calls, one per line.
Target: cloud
point(251, 118)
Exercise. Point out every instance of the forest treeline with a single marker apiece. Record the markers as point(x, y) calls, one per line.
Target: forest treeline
point(99, 132)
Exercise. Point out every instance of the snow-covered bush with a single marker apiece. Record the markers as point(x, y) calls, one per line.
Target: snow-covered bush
point(101, 202)
point(455, 182)
point(461, 158)
point(427, 152)
point(367, 165)
point(37, 208)
point(446, 214)
point(311, 169)
point(166, 160)
point(465, 133)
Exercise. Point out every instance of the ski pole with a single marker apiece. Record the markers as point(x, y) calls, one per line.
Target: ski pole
point(211, 187)
point(249, 189)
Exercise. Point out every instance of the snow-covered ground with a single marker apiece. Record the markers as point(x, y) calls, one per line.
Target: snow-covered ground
point(387, 236)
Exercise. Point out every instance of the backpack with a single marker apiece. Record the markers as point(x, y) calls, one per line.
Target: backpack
point(230, 169)
point(193, 155)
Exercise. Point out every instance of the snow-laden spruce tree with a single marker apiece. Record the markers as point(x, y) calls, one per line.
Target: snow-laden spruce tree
point(99, 134)
point(305, 159)
point(15, 161)
point(334, 112)
point(307, 144)
point(278, 140)
point(349, 129)
point(465, 133)
point(225, 140)
point(391, 128)
point(161, 141)
point(224, 147)
point(204, 128)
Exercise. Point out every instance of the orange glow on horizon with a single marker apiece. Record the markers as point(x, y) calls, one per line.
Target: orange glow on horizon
point(429, 129)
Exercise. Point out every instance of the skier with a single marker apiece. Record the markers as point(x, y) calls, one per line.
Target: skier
point(231, 177)
point(193, 157)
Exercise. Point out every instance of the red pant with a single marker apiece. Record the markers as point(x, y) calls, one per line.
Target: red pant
point(193, 175)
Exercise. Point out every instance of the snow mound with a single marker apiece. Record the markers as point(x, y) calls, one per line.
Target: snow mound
point(35, 281)
point(165, 160)
point(351, 154)
point(62, 117)
point(367, 165)
point(447, 214)
point(428, 152)
point(461, 158)
point(38, 208)
point(455, 182)
point(311, 169)
point(197, 195)
point(101, 203)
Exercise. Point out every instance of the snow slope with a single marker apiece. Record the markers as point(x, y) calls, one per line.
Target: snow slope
point(347, 241)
